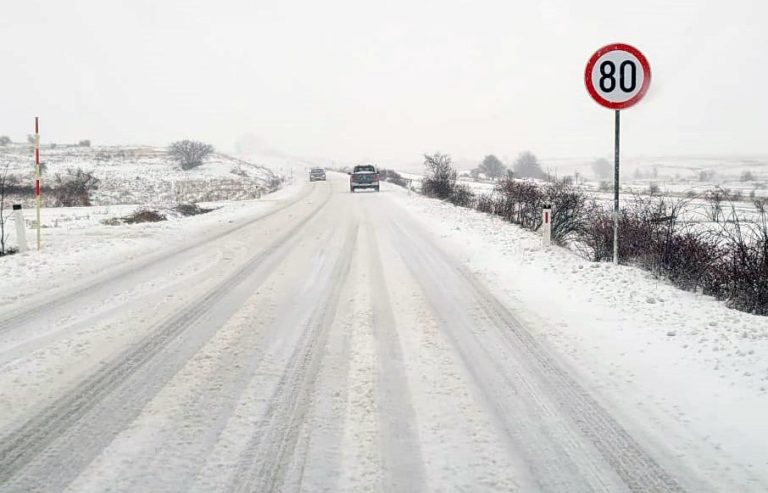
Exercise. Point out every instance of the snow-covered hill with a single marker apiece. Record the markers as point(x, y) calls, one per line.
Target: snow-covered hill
point(144, 175)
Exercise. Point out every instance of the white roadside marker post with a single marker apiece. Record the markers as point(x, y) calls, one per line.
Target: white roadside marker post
point(617, 76)
point(21, 233)
point(546, 225)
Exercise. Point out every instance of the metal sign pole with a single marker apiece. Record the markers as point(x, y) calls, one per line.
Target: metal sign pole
point(616, 193)
point(617, 76)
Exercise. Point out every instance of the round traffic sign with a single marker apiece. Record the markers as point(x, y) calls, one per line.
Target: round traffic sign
point(617, 76)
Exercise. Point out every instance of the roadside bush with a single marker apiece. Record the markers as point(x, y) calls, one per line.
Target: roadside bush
point(569, 210)
point(189, 153)
point(440, 180)
point(191, 210)
point(595, 239)
point(743, 272)
point(143, 216)
point(485, 203)
point(656, 232)
point(462, 196)
point(520, 202)
point(393, 176)
point(74, 188)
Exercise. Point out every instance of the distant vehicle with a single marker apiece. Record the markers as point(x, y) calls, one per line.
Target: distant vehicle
point(364, 176)
point(317, 174)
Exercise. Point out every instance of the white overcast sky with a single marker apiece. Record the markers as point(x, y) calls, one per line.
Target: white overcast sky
point(384, 80)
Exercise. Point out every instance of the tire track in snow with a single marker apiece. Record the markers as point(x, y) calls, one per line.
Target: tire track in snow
point(247, 359)
point(138, 272)
point(530, 393)
point(401, 455)
point(66, 435)
point(272, 459)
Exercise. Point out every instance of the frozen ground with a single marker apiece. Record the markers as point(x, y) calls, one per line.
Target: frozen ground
point(328, 341)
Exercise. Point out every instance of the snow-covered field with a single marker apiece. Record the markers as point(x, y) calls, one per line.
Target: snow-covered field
point(143, 175)
point(317, 340)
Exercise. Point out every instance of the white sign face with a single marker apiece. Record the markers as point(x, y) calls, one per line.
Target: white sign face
point(617, 76)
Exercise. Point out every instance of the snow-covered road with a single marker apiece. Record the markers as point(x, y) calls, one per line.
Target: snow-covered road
point(330, 344)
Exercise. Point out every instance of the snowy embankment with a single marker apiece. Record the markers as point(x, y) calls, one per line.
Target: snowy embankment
point(77, 244)
point(682, 364)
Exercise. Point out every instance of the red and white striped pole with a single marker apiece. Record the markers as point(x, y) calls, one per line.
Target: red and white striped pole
point(37, 179)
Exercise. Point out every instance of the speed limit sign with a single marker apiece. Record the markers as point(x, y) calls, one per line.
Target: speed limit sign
point(617, 76)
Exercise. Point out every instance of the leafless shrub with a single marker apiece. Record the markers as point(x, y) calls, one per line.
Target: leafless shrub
point(742, 273)
point(520, 202)
point(191, 210)
point(143, 216)
point(393, 176)
point(462, 196)
point(569, 207)
point(189, 153)
point(440, 180)
point(485, 203)
point(715, 199)
point(595, 238)
point(74, 188)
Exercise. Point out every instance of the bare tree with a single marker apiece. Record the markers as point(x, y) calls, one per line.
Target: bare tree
point(189, 153)
point(747, 176)
point(492, 167)
point(527, 166)
point(602, 169)
point(5, 140)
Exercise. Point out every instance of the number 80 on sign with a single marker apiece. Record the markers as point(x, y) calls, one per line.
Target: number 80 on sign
point(617, 76)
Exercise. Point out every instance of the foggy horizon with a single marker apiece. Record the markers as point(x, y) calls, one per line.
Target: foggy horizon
point(386, 82)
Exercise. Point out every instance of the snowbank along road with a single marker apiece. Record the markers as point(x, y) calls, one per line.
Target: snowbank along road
point(328, 345)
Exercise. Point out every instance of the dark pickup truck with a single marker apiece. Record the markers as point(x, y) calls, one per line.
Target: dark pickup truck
point(364, 176)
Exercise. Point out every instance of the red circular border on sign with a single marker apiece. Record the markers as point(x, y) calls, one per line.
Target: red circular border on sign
point(634, 99)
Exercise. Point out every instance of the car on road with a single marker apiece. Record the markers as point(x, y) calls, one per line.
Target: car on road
point(316, 174)
point(364, 176)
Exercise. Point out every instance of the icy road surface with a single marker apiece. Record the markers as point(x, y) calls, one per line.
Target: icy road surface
point(329, 344)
